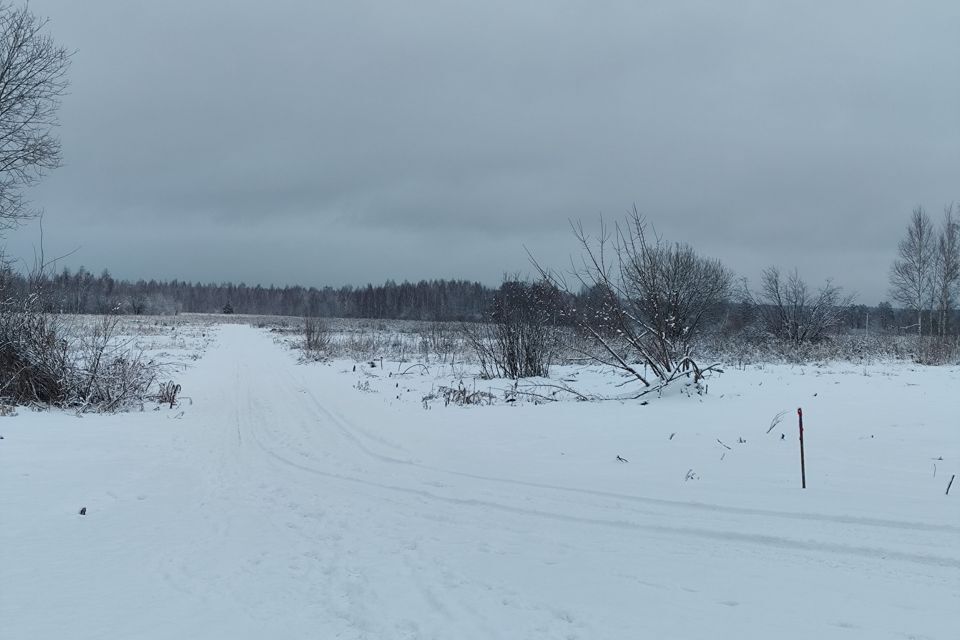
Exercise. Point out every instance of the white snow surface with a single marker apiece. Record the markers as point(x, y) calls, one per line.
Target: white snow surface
point(285, 503)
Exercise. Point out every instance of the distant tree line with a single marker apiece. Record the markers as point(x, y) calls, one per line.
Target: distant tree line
point(82, 292)
point(85, 293)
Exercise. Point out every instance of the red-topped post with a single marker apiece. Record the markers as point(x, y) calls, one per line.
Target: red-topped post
point(803, 468)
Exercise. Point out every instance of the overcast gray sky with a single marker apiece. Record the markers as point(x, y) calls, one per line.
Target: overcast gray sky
point(332, 143)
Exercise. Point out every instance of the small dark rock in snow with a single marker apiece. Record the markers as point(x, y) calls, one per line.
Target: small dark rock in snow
point(783, 437)
point(83, 511)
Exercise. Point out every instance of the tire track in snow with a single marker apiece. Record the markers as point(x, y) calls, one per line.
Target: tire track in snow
point(349, 432)
point(778, 542)
point(342, 580)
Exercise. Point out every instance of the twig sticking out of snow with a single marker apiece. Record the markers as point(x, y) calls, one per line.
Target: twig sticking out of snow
point(776, 420)
point(950, 484)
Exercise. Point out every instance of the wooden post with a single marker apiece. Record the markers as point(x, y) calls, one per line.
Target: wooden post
point(803, 468)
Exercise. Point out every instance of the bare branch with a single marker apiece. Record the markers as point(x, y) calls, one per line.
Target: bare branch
point(33, 78)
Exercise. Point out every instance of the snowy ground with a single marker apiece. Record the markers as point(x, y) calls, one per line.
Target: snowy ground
point(292, 501)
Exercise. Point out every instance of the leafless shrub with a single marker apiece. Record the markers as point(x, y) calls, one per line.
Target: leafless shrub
point(937, 350)
point(646, 301)
point(795, 315)
point(42, 362)
point(438, 341)
point(124, 382)
point(521, 339)
point(364, 344)
point(35, 363)
point(109, 373)
point(316, 338)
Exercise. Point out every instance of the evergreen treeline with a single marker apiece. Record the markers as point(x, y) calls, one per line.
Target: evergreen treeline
point(83, 292)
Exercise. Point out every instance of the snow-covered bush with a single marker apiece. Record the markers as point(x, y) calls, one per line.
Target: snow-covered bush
point(34, 358)
point(43, 361)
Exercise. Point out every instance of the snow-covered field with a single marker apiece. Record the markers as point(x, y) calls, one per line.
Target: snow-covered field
point(290, 500)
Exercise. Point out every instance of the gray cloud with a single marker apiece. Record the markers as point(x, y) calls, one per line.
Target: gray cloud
point(345, 142)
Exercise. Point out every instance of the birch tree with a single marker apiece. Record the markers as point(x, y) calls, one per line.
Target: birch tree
point(946, 273)
point(912, 274)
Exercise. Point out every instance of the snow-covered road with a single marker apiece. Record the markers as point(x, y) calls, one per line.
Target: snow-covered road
point(283, 503)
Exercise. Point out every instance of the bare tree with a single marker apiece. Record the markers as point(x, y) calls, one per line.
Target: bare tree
point(32, 79)
point(946, 272)
point(648, 299)
point(793, 313)
point(522, 337)
point(911, 276)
